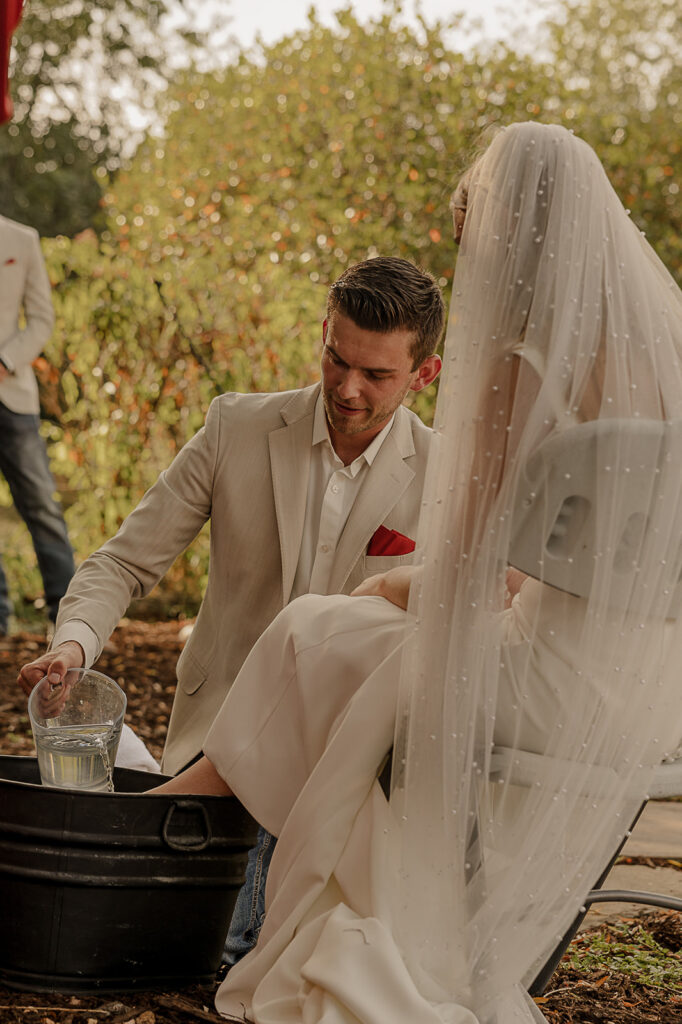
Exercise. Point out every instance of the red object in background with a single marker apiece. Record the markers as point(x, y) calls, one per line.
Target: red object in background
point(10, 16)
point(389, 542)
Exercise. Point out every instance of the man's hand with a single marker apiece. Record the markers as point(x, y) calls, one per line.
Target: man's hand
point(53, 664)
point(394, 585)
point(4, 372)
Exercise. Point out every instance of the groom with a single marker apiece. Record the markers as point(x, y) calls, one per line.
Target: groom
point(307, 491)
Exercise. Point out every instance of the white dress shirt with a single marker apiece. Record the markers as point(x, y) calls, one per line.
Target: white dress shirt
point(332, 490)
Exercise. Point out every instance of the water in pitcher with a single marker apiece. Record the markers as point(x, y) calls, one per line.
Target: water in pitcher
point(78, 757)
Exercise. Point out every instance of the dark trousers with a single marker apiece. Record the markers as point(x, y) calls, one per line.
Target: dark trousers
point(24, 464)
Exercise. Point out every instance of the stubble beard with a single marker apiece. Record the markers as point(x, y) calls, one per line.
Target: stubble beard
point(351, 425)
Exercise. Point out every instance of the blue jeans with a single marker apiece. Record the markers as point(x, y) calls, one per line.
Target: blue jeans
point(249, 910)
point(24, 464)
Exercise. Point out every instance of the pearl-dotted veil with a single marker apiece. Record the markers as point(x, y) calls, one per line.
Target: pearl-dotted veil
point(527, 735)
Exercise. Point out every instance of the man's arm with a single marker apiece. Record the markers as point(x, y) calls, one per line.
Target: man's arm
point(127, 567)
point(24, 344)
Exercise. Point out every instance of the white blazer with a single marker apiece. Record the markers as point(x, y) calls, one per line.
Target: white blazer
point(24, 284)
point(247, 471)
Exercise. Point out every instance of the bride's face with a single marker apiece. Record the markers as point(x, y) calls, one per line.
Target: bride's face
point(458, 206)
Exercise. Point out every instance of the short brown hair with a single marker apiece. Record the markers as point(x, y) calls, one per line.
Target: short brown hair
point(388, 294)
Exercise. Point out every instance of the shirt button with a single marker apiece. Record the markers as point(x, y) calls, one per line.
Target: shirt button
point(324, 547)
point(335, 488)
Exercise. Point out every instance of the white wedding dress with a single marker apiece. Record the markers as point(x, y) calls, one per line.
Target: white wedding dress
point(299, 740)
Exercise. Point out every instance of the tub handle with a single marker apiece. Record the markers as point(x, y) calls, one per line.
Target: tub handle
point(188, 844)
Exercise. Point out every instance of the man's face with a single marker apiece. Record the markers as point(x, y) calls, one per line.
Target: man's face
point(366, 375)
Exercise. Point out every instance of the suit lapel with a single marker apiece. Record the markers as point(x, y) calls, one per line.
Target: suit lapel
point(290, 451)
point(388, 478)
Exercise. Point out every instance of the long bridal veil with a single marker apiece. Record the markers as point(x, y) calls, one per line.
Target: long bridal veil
point(565, 333)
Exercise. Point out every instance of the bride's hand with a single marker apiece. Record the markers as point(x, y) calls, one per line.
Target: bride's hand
point(394, 585)
point(515, 580)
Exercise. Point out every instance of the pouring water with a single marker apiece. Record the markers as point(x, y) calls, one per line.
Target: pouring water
point(75, 757)
point(77, 728)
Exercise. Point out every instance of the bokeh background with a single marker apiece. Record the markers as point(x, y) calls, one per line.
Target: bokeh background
point(196, 196)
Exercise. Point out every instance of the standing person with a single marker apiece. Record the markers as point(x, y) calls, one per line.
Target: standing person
point(25, 286)
point(307, 491)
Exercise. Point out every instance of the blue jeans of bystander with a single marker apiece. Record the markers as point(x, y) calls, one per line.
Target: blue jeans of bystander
point(24, 464)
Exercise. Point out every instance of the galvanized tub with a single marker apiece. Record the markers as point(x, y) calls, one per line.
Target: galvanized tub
point(114, 891)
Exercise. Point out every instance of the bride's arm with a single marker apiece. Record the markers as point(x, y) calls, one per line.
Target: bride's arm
point(394, 584)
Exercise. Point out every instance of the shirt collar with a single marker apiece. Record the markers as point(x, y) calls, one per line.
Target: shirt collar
point(321, 434)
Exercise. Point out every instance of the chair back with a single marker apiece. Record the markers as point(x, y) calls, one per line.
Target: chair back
point(554, 536)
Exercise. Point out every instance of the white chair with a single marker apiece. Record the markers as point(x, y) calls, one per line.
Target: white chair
point(553, 539)
point(525, 769)
point(553, 525)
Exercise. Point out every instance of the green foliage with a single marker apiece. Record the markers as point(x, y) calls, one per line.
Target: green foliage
point(328, 147)
point(47, 180)
point(627, 948)
point(270, 177)
point(615, 53)
point(75, 66)
point(622, 63)
point(114, 382)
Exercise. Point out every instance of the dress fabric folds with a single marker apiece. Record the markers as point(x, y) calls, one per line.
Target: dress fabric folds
point(301, 748)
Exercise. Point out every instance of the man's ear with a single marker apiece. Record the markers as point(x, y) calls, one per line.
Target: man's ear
point(324, 332)
point(426, 373)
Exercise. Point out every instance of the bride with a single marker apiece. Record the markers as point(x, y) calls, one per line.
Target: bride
point(439, 905)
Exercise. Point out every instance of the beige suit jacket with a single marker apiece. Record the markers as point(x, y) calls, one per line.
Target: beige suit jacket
point(23, 284)
point(247, 471)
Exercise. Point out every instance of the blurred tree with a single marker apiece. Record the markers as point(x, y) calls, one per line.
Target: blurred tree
point(616, 52)
point(79, 68)
point(332, 145)
point(224, 233)
point(622, 63)
point(268, 178)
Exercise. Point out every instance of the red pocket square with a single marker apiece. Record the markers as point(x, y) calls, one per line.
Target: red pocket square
point(7, 262)
point(389, 542)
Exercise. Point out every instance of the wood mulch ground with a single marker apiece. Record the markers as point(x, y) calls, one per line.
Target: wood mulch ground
point(142, 656)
